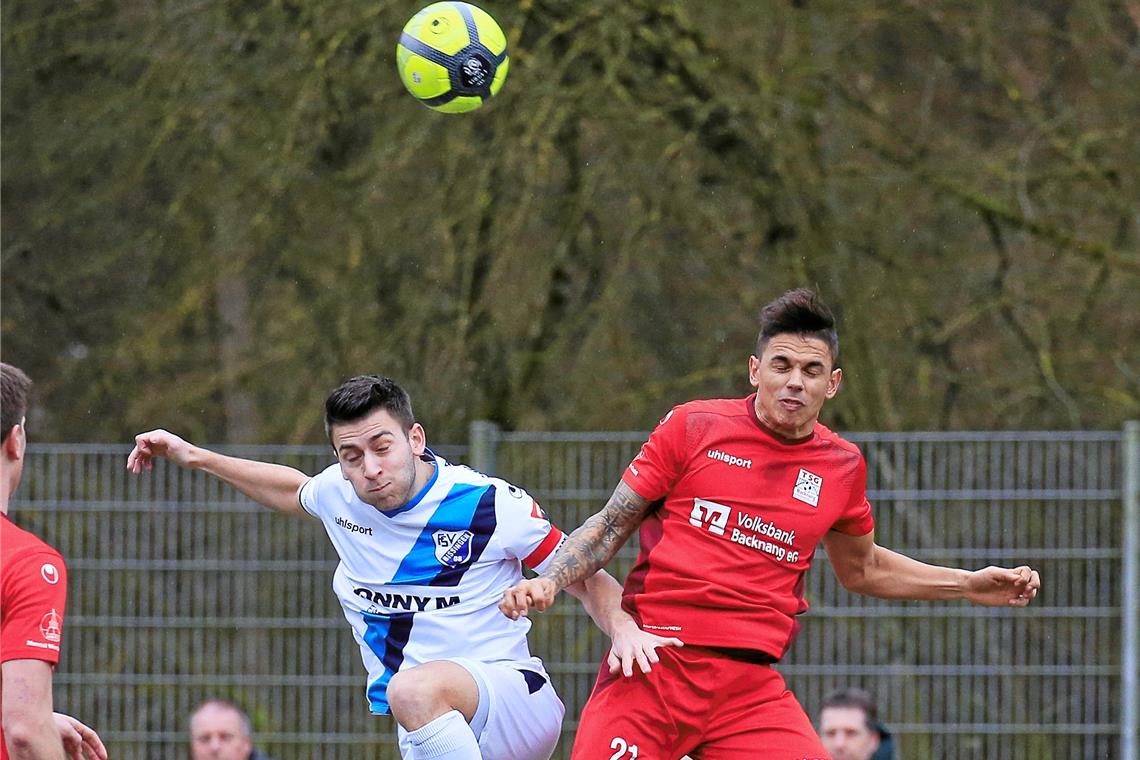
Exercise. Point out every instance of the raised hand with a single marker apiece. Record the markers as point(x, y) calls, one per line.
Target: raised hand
point(157, 443)
point(1002, 587)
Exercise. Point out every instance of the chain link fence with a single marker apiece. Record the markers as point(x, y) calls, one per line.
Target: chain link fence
point(181, 589)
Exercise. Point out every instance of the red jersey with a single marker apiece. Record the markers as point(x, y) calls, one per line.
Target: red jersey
point(33, 592)
point(723, 557)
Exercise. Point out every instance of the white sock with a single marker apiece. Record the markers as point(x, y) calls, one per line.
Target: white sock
point(448, 737)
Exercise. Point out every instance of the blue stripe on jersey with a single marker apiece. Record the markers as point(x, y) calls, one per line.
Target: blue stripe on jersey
point(483, 524)
point(386, 636)
point(466, 507)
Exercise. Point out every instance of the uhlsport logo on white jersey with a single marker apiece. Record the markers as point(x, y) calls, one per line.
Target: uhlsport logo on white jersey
point(807, 488)
point(453, 547)
point(709, 514)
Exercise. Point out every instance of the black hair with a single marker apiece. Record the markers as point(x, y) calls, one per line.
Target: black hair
point(856, 698)
point(799, 312)
point(15, 388)
point(359, 396)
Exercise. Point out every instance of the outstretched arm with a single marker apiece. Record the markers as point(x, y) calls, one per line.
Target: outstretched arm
point(273, 485)
point(600, 594)
point(585, 552)
point(864, 567)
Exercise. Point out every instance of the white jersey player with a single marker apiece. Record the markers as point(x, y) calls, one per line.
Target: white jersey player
point(427, 549)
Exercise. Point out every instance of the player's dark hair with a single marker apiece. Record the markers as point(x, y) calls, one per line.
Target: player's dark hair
point(359, 396)
point(799, 312)
point(15, 388)
point(857, 698)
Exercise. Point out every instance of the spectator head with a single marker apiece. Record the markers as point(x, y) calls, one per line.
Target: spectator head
point(848, 724)
point(220, 730)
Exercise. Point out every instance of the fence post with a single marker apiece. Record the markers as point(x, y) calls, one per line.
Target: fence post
point(1130, 605)
point(483, 436)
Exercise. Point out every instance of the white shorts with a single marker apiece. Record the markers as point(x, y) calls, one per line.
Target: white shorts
point(519, 715)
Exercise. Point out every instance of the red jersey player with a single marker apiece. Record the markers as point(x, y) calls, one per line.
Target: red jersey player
point(33, 582)
point(732, 498)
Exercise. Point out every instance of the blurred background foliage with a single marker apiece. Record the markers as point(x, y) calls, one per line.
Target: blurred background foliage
point(214, 211)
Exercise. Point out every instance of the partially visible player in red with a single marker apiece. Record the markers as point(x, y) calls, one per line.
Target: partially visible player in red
point(33, 592)
point(732, 497)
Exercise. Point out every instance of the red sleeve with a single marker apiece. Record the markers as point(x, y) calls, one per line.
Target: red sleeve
point(34, 597)
point(856, 519)
point(659, 464)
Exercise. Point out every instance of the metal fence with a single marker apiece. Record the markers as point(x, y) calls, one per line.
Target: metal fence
point(182, 589)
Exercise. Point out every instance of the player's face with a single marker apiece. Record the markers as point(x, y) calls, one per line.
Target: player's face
point(793, 378)
point(379, 458)
point(216, 733)
point(846, 735)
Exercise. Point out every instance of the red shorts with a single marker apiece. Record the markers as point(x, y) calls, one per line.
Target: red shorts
point(696, 701)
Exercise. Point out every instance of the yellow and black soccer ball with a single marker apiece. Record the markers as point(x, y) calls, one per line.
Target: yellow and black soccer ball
point(452, 56)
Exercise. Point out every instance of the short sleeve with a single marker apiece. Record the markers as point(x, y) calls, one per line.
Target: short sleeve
point(315, 487)
point(660, 462)
point(524, 529)
point(856, 519)
point(35, 596)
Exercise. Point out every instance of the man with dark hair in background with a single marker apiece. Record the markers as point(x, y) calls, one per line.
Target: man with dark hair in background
point(850, 729)
point(732, 498)
point(33, 579)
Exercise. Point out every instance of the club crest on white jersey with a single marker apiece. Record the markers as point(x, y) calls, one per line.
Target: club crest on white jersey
point(453, 547)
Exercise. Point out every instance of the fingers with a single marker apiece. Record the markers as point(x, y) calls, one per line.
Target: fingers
point(142, 455)
point(515, 602)
point(614, 662)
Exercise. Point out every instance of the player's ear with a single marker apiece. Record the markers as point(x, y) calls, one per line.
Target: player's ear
point(418, 438)
point(754, 371)
point(16, 442)
point(833, 382)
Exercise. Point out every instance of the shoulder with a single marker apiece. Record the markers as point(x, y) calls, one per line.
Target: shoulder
point(20, 544)
point(327, 484)
point(842, 451)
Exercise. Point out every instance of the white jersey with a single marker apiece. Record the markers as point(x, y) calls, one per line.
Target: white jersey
point(423, 582)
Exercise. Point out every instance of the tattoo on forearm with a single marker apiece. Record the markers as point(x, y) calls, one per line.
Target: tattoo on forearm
point(593, 544)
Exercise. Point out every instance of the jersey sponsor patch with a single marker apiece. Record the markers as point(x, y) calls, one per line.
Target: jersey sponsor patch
point(709, 515)
point(50, 573)
point(51, 626)
point(453, 547)
point(807, 488)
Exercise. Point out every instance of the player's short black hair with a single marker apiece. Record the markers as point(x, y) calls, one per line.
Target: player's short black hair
point(15, 389)
point(359, 396)
point(856, 698)
point(800, 312)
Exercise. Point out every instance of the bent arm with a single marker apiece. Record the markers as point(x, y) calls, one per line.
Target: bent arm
point(592, 545)
point(864, 567)
point(272, 485)
point(29, 726)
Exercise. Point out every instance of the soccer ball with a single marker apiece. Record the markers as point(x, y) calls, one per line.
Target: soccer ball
point(452, 56)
